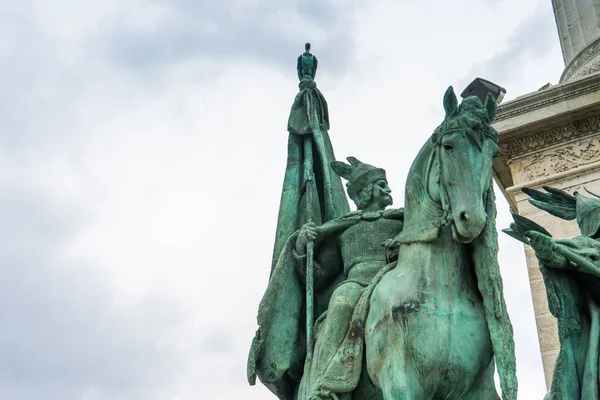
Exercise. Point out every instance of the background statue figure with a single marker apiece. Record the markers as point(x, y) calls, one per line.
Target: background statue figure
point(307, 64)
point(571, 270)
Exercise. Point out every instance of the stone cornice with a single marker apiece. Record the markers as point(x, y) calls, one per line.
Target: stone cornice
point(548, 97)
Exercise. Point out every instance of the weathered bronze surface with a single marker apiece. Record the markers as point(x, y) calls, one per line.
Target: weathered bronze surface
point(437, 320)
point(571, 270)
point(386, 303)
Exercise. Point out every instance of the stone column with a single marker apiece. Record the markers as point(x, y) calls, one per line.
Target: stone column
point(549, 138)
point(578, 23)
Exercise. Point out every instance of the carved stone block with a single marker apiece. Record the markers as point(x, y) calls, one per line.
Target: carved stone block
point(552, 138)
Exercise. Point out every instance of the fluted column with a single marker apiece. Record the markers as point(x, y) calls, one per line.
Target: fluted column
point(578, 23)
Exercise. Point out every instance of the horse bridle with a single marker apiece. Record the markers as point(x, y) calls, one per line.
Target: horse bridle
point(446, 218)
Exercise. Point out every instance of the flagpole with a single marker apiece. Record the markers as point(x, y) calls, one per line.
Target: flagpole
point(308, 187)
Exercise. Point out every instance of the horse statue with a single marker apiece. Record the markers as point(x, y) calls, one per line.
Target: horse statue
point(437, 320)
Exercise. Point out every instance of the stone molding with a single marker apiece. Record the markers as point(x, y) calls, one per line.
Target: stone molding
point(553, 151)
point(585, 63)
point(535, 141)
point(562, 159)
point(519, 196)
point(547, 97)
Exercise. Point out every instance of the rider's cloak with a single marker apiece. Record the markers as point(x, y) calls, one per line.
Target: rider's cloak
point(278, 350)
point(279, 347)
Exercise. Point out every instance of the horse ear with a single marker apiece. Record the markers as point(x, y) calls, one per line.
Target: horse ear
point(491, 106)
point(450, 102)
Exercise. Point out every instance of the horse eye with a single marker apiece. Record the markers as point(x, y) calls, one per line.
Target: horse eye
point(448, 146)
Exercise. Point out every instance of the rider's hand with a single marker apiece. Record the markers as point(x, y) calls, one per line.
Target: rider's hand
point(391, 244)
point(542, 244)
point(308, 233)
point(392, 247)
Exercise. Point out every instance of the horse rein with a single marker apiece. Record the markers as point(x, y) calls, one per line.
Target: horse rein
point(446, 218)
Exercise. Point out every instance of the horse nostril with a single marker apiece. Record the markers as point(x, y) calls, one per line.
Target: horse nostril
point(464, 217)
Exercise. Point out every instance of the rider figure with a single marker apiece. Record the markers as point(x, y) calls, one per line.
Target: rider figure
point(573, 294)
point(362, 254)
point(587, 245)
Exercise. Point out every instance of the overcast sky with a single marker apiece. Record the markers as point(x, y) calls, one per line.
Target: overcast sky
point(142, 152)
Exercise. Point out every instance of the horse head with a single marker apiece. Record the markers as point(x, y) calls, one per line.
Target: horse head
point(465, 145)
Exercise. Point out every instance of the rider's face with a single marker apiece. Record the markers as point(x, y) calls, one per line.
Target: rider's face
point(381, 194)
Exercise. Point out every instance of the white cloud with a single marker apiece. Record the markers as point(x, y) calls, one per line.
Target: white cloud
point(164, 182)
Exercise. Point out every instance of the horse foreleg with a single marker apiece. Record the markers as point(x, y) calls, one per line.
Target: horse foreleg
point(404, 388)
point(391, 392)
point(484, 387)
point(396, 377)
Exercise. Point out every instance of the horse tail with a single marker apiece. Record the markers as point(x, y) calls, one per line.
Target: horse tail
point(489, 282)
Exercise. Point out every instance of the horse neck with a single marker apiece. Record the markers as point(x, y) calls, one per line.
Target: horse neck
point(420, 211)
point(419, 206)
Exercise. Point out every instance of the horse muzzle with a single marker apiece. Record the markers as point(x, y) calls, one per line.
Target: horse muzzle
point(466, 226)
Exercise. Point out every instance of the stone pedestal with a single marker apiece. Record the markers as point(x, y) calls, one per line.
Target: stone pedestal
point(549, 138)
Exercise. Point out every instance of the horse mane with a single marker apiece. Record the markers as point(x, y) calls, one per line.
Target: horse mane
point(471, 114)
point(489, 282)
point(478, 117)
point(474, 118)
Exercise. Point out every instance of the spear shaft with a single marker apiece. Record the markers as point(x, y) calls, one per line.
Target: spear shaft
point(581, 262)
point(584, 264)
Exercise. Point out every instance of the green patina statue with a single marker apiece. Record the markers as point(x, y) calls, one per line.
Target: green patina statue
point(571, 270)
point(312, 192)
point(437, 320)
point(349, 252)
point(358, 240)
point(381, 303)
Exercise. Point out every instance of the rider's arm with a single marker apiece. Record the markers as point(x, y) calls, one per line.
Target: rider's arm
point(327, 263)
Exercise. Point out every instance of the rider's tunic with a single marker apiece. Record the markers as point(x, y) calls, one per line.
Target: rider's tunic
point(362, 247)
